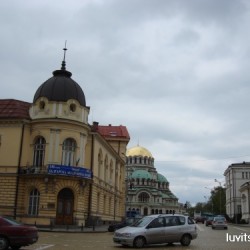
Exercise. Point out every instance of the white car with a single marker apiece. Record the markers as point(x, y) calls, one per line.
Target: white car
point(157, 229)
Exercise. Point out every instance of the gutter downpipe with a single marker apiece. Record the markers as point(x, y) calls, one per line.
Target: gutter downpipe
point(18, 171)
point(90, 187)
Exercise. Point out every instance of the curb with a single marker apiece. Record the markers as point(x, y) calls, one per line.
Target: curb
point(77, 230)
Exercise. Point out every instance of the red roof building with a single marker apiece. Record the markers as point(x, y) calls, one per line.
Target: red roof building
point(110, 131)
point(10, 108)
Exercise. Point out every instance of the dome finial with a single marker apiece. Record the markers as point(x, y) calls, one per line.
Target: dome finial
point(64, 55)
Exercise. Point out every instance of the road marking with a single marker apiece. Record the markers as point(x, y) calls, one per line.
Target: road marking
point(44, 247)
point(200, 228)
point(239, 228)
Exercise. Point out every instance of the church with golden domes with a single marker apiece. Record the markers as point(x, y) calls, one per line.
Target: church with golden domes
point(148, 191)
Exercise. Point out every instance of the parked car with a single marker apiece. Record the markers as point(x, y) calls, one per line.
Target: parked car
point(15, 235)
point(157, 229)
point(219, 222)
point(209, 221)
point(200, 219)
point(127, 222)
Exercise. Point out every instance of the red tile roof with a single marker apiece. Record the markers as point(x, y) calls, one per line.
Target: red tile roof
point(113, 131)
point(10, 108)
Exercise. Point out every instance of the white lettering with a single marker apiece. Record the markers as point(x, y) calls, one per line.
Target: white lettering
point(243, 237)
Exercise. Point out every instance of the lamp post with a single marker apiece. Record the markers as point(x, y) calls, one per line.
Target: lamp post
point(220, 192)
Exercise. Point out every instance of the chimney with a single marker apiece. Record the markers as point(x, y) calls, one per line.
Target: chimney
point(94, 127)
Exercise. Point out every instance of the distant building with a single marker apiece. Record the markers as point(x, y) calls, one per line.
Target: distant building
point(237, 178)
point(56, 168)
point(148, 191)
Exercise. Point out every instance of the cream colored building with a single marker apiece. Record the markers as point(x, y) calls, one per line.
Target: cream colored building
point(245, 201)
point(237, 177)
point(148, 191)
point(56, 168)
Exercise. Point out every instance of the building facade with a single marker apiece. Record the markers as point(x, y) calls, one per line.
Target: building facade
point(237, 177)
point(56, 168)
point(245, 201)
point(148, 191)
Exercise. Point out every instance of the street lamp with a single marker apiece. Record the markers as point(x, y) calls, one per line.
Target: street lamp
point(220, 192)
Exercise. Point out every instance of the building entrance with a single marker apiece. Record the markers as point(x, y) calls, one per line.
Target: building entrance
point(65, 205)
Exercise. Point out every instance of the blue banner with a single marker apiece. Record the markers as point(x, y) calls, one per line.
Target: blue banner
point(69, 171)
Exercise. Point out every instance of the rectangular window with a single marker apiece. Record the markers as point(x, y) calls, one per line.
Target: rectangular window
point(104, 204)
point(238, 209)
point(33, 202)
point(242, 175)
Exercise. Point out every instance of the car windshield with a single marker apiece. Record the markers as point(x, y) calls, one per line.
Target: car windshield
point(142, 222)
point(219, 218)
point(12, 221)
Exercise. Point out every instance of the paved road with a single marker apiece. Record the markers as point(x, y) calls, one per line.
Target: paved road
point(208, 239)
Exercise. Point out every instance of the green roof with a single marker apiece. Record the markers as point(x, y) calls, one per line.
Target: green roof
point(161, 178)
point(141, 174)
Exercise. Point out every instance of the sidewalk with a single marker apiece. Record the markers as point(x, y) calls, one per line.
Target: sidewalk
point(239, 225)
point(68, 229)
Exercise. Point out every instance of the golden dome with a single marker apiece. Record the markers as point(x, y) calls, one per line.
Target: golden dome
point(138, 151)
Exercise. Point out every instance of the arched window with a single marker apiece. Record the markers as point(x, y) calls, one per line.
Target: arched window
point(39, 151)
point(111, 171)
point(143, 197)
point(100, 164)
point(137, 181)
point(106, 169)
point(68, 152)
point(34, 202)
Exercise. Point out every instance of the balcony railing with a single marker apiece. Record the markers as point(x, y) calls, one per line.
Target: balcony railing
point(33, 170)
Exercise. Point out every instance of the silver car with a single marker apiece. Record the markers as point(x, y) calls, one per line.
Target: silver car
point(157, 229)
point(219, 222)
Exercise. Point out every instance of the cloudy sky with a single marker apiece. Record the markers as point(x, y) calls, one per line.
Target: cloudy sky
point(176, 73)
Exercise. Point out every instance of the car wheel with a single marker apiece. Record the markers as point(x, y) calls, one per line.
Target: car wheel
point(15, 247)
point(185, 240)
point(139, 242)
point(4, 243)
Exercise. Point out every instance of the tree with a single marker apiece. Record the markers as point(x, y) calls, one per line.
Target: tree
point(216, 203)
point(218, 199)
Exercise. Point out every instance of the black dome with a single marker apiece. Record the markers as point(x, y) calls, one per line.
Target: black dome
point(60, 87)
